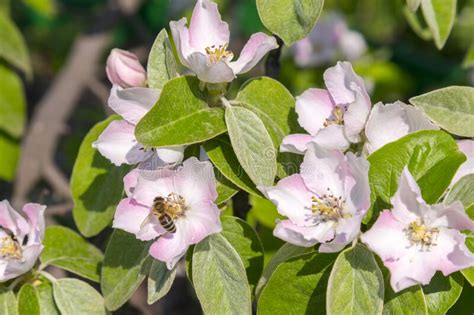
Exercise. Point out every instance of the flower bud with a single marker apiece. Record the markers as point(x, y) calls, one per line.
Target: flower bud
point(124, 69)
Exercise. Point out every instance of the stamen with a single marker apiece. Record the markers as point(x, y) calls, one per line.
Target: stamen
point(328, 207)
point(337, 119)
point(10, 248)
point(219, 53)
point(420, 234)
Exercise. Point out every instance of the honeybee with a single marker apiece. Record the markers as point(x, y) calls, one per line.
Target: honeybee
point(159, 208)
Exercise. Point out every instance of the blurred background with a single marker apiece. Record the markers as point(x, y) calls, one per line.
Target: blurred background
point(55, 80)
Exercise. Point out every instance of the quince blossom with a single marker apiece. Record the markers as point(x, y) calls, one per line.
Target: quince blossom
point(466, 147)
point(118, 143)
point(325, 203)
point(390, 122)
point(331, 37)
point(415, 239)
point(124, 69)
point(21, 239)
point(203, 47)
point(187, 195)
point(333, 118)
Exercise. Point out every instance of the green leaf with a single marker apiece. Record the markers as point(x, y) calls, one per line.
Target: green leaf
point(182, 107)
point(407, 301)
point(243, 238)
point(44, 292)
point(468, 61)
point(264, 211)
point(66, 249)
point(10, 153)
point(442, 293)
point(28, 303)
point(75, 297)
point(225, 188)
point(96, 185)
point(12, 45)
point(44, 7)
point(126, 264)
point(356, 284)
point(290, 19)
point(414, 21)
point(297, 286)
point(285, 252)
point(12, 103)
point(160, 280)
point(223, 157)
point(275, 106)
point(219, 277)
point(462, 191)
point(8, 304)
point(440, 16)
point(451, 108)
point(161, 62)
point(432, 156)
point(252, 144)
point(469, 272)
point(413, 4)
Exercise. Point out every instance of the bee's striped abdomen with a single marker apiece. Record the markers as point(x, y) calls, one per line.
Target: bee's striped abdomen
point(167, 223)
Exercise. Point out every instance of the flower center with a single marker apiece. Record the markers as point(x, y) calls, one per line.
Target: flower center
point(420, 234)
point(337, 117)
point(217, 54)
point(10, 249)
point(173, 205)
point(328, 207)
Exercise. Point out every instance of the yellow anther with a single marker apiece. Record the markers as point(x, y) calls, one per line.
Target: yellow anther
point(338, 118)
point(9, 248)
point(217, 54)
point(419, 233)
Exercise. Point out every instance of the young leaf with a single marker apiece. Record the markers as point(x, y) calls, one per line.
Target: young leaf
point(462, 191)
point(161, 62)
point(12, 103)
point(225, 188)
point(432, 156)
point(44, 293)
point(10, 153)
point(451, 108)
point(66, 249)
point(8, 304)
point(126, 264)
point(96, 184)
point(442, 292)
point(28, 303)
point(356, 284)
point(74, 297)
point(160, 281)
point(297, 286)
point(440, 16)
point(252, 145)
point(247, 244)
point(290, 19)
point(285, 252)
point(413, 4)
point(181, 116)
point(12, 45)
point(219, 277)
point(223, 157)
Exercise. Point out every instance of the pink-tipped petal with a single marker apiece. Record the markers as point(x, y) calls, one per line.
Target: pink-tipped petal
point(450, 253)
point(466, 147)
point(210, 72)
point(339, 80)
point(130, 215)
point(287, 231)
point(356, 184)
point(313, 107)
point(292, 198)
point(35, 215)
point(180, 35)
point(124, 68)
point(332, 137)
point(295, 143)
point(356, 115)
point(202, 220)
point(206, 27)
point(254, 50)
point(133, 103)
point(408, 204)
point(12, 221)
point(15, 268)
point(152, 184)
point(346, 231)
point(118, 144)
point(452, 216)
point(170, 247)
point(130, 181)
point(322, 172)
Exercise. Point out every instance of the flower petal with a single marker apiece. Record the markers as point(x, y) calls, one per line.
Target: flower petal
point(35, 214)
point(15, 268)
point(171, 155)
point(11, 220)
point(356, 184)
point(332, 137)
point(203, 219)
point(118, 144)
point(292, 198)
point(133, 103)
point(180, 35)
point(130, 181)
point(356, 115)
point(130, 215)
point(170, 247)
point(206, 27)
point(452, 216)
point(152, 184)
point(295, 143)
point(210, 72)
point(322, 172)
point(408, 204)
point(467, 147)
point(313, 107)
point(124, 68)
point(346, 231)
point(293, 234)
point(254, 50)
point(339, 81)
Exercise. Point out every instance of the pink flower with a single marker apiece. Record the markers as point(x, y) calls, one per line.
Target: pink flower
point(390, 122)
point(415, 239)
point(124, 69)
point(118, 143)
point(187, 196)
point(329, 39)
point(20, 239)
point(203, 47)
point(325, 203)
point(467, 147)
point(333, 118)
